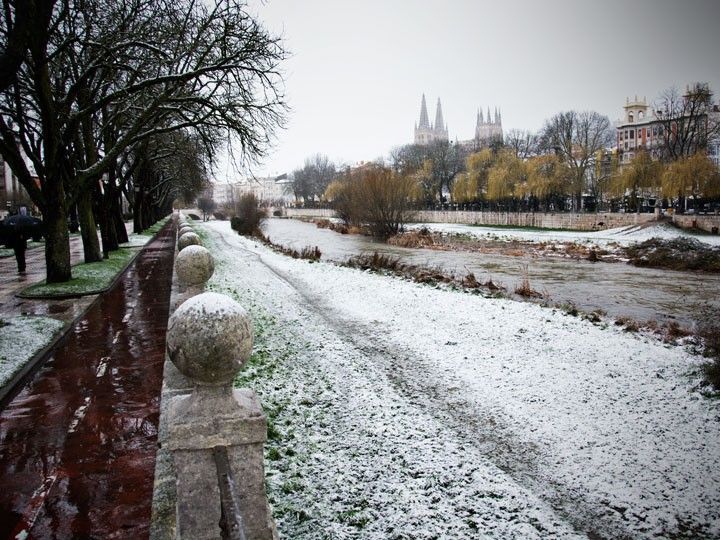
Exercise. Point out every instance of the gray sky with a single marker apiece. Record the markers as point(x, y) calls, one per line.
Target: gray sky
point(358, 68)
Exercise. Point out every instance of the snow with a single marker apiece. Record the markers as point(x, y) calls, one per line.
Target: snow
point(621, 236)
point(20, 339)
point(403, 411)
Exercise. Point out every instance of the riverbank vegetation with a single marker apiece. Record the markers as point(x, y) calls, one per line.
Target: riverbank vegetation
point(674, 254)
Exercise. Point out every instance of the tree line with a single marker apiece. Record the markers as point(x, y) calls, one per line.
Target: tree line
point(105, 100)
point(566, 166)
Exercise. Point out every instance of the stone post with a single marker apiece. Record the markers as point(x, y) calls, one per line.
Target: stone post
point(188, 239)
point(209, 338)
point(194, 266)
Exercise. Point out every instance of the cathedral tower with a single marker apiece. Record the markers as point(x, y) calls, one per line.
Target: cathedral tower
point(425, 133)
point(488, 128)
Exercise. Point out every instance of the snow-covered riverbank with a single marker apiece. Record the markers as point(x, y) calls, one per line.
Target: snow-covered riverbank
point(622, 236)
point(402, 411)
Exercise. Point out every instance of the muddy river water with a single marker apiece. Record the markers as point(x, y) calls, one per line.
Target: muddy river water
point(616, 288)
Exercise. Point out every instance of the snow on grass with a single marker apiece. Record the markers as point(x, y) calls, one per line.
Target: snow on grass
point(621, 235)
point(20, 339)
point(89, 278)
point(402, 411)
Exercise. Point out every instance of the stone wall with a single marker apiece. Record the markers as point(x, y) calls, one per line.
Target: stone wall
point(706, 223)
point(585, 222)
point(581, 222)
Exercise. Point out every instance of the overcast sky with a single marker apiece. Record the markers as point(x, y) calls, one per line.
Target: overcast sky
point(359, 68)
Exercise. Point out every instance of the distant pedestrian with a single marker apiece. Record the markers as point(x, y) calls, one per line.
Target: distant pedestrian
point(19, 245)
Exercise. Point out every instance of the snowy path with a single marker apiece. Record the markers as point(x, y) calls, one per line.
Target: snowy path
point(400, 411)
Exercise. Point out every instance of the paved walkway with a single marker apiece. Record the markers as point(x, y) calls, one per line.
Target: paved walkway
point(11, 283)
point(77, 444)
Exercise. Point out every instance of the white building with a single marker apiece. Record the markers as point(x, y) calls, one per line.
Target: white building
point(642, 129)
point(271, 190)
point(12, 194)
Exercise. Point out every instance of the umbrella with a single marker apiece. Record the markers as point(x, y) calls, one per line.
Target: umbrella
point(27, 225)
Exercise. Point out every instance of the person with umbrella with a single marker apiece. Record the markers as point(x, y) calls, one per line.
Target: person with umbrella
point(17, 227)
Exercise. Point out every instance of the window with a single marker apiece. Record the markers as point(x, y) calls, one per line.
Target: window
point(630, 117)
point(632, 133)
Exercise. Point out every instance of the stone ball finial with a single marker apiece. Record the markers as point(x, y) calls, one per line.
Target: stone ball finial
point(194, 265)
point(188, 239)
point(209, 338)
point(185, 228)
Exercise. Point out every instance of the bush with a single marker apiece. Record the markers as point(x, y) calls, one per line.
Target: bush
point(249, 216)
point(374, 196)
point(675, 254)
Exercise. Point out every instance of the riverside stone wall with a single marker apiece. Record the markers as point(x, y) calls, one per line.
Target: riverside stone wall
point(710, 224)
point(544, 220)
point(585, 222)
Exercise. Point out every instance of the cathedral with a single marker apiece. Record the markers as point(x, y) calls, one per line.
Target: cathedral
point(486, 128)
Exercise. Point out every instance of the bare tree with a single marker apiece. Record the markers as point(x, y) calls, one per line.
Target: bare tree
point(140, 68)
point(687, 121)
point(23, 22)
point(375, 196)
point(310, 182)
point(577, 138)
point(523, 143)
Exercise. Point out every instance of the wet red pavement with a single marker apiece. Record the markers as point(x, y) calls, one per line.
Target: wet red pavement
point(78, 443)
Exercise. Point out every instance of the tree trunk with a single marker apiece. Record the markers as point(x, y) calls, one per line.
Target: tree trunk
point(117, 218)
point(88, 229)
point(57, 240)
point(137, 213)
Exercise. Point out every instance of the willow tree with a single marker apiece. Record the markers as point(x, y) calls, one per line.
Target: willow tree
point(547, 180)
point(505, 177)
point(471, 185)
point(643, 173)
point(692, 176)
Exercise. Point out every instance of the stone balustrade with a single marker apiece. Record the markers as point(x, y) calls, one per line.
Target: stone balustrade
point(212, 435)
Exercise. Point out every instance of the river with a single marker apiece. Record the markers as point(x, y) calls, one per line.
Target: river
point(619, 289)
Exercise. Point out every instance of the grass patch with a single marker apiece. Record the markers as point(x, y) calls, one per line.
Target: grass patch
point(90, 278)
point(20, 339)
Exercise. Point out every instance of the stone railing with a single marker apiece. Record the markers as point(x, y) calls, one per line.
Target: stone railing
point(209, 480)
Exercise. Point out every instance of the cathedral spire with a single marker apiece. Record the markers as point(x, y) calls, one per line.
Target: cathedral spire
point(489, 118)
point(480, 119)
point(424, 123)
point(439, 122)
